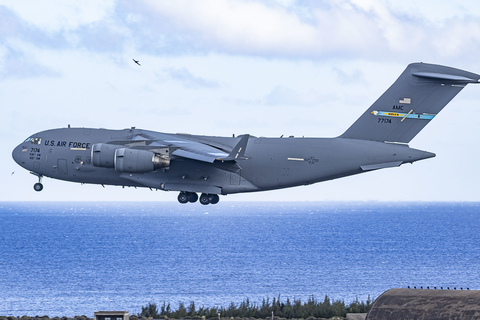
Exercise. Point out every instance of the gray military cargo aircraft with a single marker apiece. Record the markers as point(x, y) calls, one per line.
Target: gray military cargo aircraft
point(213, 166)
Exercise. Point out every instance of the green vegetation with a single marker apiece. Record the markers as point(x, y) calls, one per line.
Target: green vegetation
point(295, 309)
point(288, 310)
point(44, 318)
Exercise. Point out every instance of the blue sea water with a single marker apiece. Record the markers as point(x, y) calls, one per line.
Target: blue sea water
point(71, 259)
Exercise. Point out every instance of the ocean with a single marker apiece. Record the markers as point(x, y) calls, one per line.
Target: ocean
point(66, 259)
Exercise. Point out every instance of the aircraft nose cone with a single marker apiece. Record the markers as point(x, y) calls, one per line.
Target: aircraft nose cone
point(17, 154)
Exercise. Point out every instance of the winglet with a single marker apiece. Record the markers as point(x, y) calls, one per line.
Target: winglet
point(238, 152)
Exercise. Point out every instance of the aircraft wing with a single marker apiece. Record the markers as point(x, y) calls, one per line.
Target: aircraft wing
point(191, 149)
point(199, 151)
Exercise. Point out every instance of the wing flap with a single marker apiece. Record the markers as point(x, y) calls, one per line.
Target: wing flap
point(199, 155)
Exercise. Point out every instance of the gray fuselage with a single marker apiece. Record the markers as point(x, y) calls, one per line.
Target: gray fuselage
point(272, 163)
point(223, 165)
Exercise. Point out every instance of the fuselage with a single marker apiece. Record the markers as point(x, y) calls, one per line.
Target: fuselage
point(213, 165)
point(272, 163)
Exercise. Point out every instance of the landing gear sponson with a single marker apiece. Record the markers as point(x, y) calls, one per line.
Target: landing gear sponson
point(205, 198)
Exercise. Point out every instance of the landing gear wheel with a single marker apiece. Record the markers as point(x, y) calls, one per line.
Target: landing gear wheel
point(182, 197)
point(214, 198)
point(204, 199)
point(38, 186)
point(192, 197)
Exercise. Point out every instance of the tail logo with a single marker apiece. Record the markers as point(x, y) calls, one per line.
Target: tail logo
point(409, 115)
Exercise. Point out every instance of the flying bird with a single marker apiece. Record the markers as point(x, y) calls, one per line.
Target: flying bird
point(136, 61)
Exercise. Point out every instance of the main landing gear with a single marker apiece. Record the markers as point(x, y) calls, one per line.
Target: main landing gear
point(205, 198)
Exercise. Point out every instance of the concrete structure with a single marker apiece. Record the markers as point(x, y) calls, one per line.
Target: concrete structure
point(426, 304)
point(111, 315)
point(356, 316)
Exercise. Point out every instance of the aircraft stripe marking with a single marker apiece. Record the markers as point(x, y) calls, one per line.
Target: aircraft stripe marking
point(409, 112)
point(296, 159)
point(409, 115)
point(78, 149)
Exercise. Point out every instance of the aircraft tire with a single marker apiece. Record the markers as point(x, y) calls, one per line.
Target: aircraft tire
point(214, 198)
point(192, 197)
point(38, 186)
point(182, 197)
point(204, 199)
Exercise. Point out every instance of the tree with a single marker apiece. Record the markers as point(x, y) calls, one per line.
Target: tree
point(150, 311)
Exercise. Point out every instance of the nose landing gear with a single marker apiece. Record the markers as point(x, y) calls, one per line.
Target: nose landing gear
point(38, 186)
point(205, 198)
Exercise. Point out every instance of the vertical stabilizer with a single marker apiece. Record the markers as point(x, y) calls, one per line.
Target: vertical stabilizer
point(413, 100)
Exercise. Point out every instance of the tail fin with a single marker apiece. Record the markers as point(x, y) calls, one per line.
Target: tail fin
point(417, 96)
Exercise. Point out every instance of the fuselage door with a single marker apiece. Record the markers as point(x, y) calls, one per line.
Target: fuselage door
point(235, 179)
point(62, 166)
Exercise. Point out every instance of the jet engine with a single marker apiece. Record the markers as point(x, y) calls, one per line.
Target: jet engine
point(103, 155)
point(139, 161)
point(129, 159)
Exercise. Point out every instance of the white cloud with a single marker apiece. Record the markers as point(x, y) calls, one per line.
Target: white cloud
point(434, 12)
point(20, 64)
point(350, 28)
point(283, 96)
point(345, 29)
point(350, 75)
point(189, 80)
point(458, 38)
point(254, 28)
point(236, 25)
point(57, 15)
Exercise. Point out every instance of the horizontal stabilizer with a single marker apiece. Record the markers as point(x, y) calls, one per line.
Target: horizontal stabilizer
point(443, 77)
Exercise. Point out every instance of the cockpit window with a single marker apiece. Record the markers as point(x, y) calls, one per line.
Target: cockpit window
point(34, 140)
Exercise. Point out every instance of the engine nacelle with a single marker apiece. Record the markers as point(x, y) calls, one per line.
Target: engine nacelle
point(139, 161)
point(103, 155)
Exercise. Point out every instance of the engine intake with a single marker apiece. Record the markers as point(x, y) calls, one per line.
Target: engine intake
point(103, 155)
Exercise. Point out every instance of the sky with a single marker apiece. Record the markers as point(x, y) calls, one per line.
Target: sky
point(223, 67)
